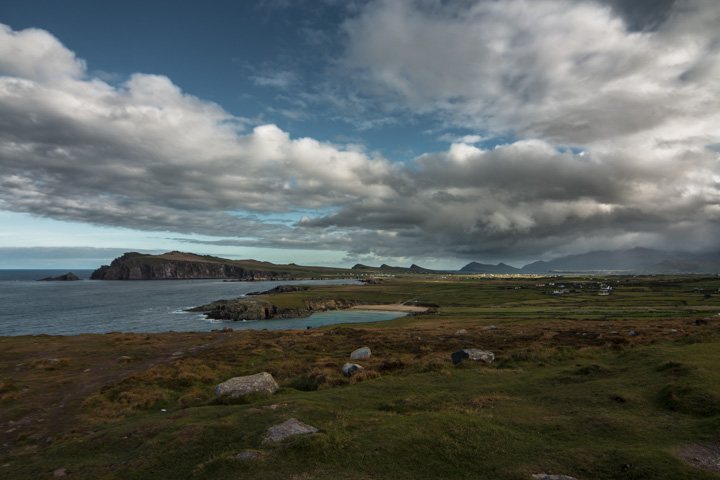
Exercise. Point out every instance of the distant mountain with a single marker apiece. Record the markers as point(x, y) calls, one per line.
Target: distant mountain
point(636, 260)
point(500, 268)
point(679, 265)
point(385, 268)
point(360, 266)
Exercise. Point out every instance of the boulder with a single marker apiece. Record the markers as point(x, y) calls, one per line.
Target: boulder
point(361, 353)
point(289, 428)
point(240, 386)
point(472, 354)
point(461, 332)
point(350, 369)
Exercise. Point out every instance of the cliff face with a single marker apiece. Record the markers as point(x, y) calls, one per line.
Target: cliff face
point(135, 266)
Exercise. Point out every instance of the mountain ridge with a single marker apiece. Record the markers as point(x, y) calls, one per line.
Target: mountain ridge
point(635, 260)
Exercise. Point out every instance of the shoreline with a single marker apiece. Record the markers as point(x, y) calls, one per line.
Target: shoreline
point(389, 308)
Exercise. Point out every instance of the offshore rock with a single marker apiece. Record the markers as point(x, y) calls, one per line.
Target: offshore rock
point(240, 386)
point(289, 428)
point(68, 277)
point(472, 354)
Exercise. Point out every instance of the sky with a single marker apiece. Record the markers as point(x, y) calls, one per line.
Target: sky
point(435, 132)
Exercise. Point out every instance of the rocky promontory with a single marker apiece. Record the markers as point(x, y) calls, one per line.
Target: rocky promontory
point(241, 309)
point(178, 265)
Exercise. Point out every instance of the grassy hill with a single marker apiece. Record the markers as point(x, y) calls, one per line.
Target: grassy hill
point(174, 265)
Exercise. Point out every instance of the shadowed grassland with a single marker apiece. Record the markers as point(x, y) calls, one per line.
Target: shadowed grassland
point(571, 391)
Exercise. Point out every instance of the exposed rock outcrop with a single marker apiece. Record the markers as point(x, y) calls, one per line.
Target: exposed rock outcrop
point(289, 428)
point(472, 354)
point(241, 309)
point(240, 386)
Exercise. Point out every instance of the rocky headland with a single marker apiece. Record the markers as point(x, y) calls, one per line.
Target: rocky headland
point(241, 309)
point(178, 265)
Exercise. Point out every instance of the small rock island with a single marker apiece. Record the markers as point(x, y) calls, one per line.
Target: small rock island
point(68, 277)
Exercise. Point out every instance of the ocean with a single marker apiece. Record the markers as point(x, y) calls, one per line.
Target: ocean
point(29, 307)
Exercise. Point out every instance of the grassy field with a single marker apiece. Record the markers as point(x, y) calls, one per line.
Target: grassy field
point(624, 386)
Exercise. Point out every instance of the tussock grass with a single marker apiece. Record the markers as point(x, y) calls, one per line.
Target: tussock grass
point(570, 391)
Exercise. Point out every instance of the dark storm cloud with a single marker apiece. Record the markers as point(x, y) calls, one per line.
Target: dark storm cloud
point(642, 14)
point(617, 111)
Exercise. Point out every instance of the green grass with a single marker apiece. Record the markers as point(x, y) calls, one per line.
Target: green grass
point(566, 394)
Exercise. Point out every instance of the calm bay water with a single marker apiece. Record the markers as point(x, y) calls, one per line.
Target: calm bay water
point(29, 307)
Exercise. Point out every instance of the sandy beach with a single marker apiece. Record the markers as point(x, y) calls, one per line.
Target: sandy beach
point(390, 308)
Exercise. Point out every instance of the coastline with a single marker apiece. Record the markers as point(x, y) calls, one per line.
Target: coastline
point(390, 308)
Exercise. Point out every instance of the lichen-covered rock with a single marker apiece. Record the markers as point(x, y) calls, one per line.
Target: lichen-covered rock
point(361, 353)
point(289, 428)
point(240, 386)
point(474, 354)
point(350, 369)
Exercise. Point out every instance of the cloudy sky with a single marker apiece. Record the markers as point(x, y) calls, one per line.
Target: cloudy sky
point(336, 132)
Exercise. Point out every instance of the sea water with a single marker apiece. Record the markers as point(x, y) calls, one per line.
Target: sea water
point(29, 307)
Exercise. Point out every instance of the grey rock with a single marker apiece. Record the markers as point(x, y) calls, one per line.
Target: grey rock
point(350, 369)
point(247, 455)
point(361, 353)
point(60, 472)
point(632, 333)
point(543, 476)
point(472, 354)
point(239, 386)
point(461, 332)
point(289, 428)
point(491, 327)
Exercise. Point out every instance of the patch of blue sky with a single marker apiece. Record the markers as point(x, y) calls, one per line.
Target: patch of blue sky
point(570, 150)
